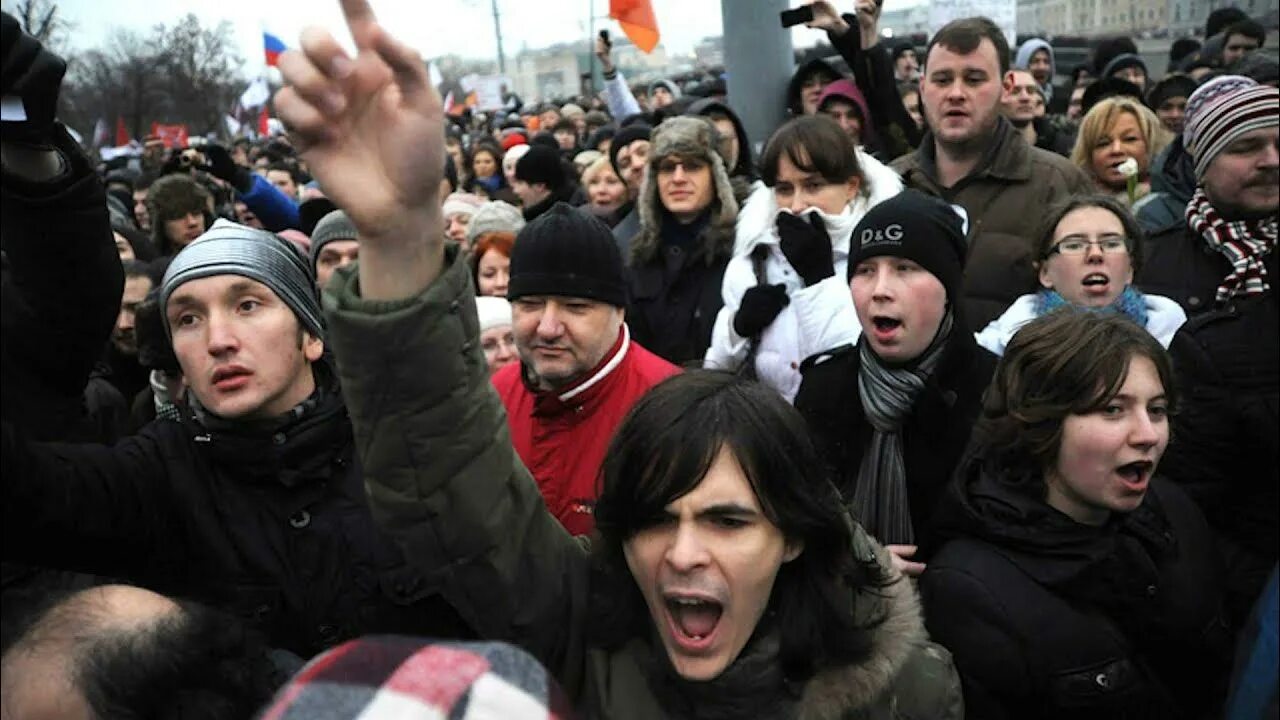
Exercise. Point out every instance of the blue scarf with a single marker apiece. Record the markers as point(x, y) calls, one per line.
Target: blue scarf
point(1131, 303)
point(491, 183)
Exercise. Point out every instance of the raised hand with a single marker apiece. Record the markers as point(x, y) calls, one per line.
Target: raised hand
point(372, 131)
point(826, 18)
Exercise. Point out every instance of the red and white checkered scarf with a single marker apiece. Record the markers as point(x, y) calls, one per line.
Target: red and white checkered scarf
point(1243, 242)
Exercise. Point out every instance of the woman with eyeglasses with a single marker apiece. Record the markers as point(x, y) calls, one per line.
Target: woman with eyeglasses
point(1090, 248)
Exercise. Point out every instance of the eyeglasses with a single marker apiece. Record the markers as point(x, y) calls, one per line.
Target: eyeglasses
point(1113, 245)
point(667, 166)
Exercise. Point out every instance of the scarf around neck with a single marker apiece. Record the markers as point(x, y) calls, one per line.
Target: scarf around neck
point(1131, 303)
point(888, 394)
point(1244, 243)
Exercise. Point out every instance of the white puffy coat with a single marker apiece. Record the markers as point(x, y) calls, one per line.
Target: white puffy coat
point(1164, 317)
point(818, 318)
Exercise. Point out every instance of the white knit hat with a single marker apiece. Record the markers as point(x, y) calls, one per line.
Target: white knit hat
point(495, 216)
point(493, 312)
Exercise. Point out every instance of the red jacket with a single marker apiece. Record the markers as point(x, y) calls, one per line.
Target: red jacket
point(562, 436)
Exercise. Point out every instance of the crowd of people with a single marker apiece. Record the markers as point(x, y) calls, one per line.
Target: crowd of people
point(955, 396)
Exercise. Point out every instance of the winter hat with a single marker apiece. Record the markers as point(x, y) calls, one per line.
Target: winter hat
point(513, 139)
point(231, 249)
point(171, 197)
point(625, 137)
point(918, 227)
point(387, 676)
point(1108, 87)
point(1022, 61)
point(571, 111)
point(461, 203)
point(493, 312)
point(796, 84)
point(584, 159)
point(334, 226)
point(541, 164)
point(1109, 49)
point(899, 48)
point(568, 253)
point(670, 86)
point(513, 156)
point(1222, 110)
point(1123, 61)
point(1258, 66)
point(845, 88)
point(312, 211)
point(1171, 86)
point(494, 216)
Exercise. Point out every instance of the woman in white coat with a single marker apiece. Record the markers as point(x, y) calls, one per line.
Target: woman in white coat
point(785, 297)
point(1090, 249)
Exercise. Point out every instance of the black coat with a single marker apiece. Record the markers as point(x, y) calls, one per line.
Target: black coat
point(1225, 449)
point(271, 524)
point(934, 436)
point(1048, 618)
point(1178, 264)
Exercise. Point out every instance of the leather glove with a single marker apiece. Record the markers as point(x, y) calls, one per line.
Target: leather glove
point(760, 305)
point(30, 72)
point(221, 166)
point(806, 246)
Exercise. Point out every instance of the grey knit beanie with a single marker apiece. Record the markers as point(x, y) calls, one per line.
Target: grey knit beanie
point(334, 226)
point(232, 249)
point(495, 216)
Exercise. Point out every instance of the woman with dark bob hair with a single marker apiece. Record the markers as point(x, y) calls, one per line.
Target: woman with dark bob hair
point(1074, 582)
point(1089, 250)
point(784, 290)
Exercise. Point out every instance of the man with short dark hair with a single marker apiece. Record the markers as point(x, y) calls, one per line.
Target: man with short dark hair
point(1240, 39)
point(540, 181)
point(285, 178)
point(126, 374)
point(975, 158)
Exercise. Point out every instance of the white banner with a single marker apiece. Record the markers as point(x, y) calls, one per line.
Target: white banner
point(256, 95)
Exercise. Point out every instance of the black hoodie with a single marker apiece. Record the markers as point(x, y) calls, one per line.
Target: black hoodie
point(745, 167)
point(1050, 618)
point(801, 74)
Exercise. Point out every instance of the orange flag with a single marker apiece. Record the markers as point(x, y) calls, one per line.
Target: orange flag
point(637, 21)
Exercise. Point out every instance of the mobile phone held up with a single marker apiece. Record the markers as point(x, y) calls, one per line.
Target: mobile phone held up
point(797, 16)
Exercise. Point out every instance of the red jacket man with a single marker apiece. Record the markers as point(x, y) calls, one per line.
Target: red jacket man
point(579, 371)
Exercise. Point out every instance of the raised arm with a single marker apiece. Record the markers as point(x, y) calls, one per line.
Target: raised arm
point(431, 433)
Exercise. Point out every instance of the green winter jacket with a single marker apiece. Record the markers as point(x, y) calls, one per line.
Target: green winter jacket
point(443, 479)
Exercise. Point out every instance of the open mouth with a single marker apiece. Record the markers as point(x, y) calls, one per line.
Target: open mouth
point(1136, 474)
point(1095, 282)
point(884, 326)
point(693, 620)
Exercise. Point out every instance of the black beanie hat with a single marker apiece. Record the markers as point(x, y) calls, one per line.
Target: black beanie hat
point(624, 137)
point(1107, 87)
point(541, 165)
point(568, 253)
point(917, 227)
point(1172, 86)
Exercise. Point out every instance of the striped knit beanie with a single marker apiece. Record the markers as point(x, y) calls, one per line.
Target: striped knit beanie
point(1222, 110)
point(232, 249)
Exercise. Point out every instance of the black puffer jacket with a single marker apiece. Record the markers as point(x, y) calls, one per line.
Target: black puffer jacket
point(270, 523)
point(1048, 618)
point(1225, 450)
point(1180, 265)
point(933, 437)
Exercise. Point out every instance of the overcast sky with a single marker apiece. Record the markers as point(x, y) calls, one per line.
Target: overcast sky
point(434, 27)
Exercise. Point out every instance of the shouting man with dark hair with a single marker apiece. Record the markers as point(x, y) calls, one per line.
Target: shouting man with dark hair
point(725, 581)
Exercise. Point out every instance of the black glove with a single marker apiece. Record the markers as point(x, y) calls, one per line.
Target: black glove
point(30, 72)
point(221, 166)
point(806, 246)
point(760, 305)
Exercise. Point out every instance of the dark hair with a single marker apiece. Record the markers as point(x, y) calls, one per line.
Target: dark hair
point(564, 124)
point(1109, 49)
point(192, 662)
point(1069, 362)
point(813, 143)
point(1222, 17)
point(966, 34)
point(662, 451)
point(1181, 48)
point(1132, 230)
point(1077, 71)
point(137, 268)
point(289, 168)
point(1248, 28)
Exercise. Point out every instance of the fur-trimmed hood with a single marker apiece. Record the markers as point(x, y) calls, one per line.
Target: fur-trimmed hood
point(756, 221)
point(902, 667)
point(688, 137)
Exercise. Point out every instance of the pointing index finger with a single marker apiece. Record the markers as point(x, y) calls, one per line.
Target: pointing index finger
point(361, 22)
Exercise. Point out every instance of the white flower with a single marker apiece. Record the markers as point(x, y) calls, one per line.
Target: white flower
point(1128, 168)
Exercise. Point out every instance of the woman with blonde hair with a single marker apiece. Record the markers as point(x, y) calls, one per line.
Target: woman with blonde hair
point(1118, 139)
point(605, 192)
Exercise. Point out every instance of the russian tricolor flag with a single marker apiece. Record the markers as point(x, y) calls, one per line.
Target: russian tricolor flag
point(272, 46)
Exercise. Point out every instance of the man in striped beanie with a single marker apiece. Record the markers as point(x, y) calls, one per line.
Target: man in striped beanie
point(1226, 249)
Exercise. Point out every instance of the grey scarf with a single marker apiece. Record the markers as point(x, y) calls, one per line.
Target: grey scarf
point(887, 395)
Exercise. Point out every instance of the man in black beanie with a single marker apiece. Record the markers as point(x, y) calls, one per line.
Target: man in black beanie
point(579, 371)
point(892, 414)
point(540, 181)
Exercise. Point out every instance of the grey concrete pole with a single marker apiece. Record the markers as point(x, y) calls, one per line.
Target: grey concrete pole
point(759, 60)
